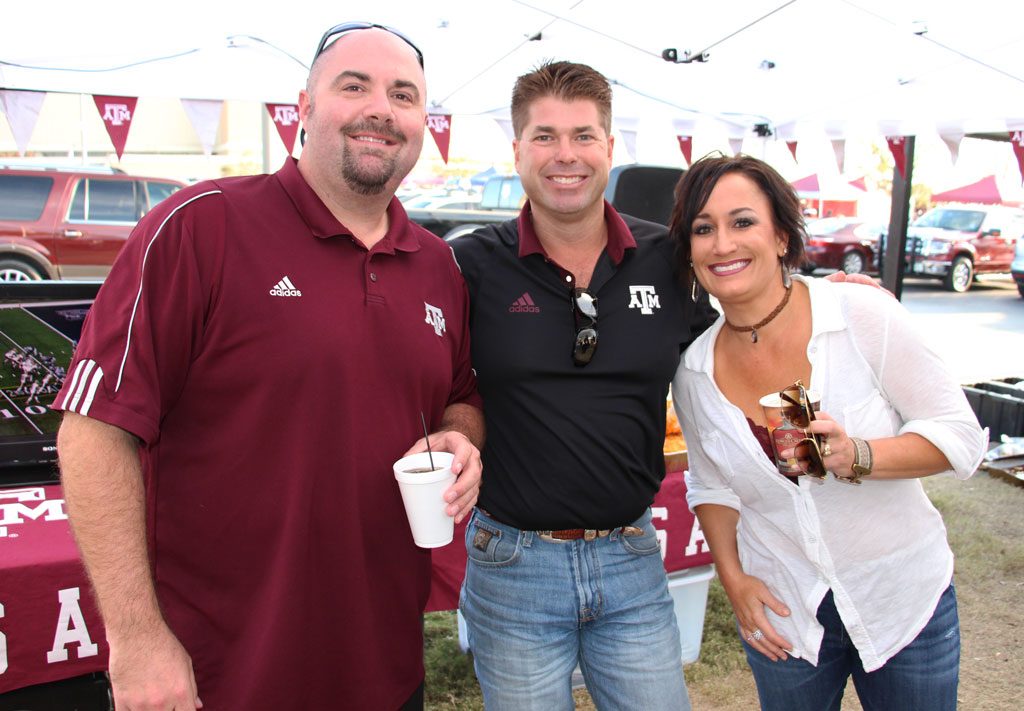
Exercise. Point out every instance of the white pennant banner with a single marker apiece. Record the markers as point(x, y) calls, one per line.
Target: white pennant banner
point(839, 148)
point(627, 128)
point(205, 117)
point(22, 111)
point(952, 141)
point(506, 126)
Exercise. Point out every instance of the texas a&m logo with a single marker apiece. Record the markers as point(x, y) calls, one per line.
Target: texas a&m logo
point(117, 114)
point(438, 122)
point(435, 317)
point(16, 505)
point(286, 114)
point(643, 298)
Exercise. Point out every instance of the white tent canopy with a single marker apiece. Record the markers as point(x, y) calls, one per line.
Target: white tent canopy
point(805, 68)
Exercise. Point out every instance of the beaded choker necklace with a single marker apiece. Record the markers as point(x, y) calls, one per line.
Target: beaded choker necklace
point(752, 330)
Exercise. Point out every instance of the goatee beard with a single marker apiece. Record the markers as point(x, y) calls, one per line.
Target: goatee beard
point(369, 180)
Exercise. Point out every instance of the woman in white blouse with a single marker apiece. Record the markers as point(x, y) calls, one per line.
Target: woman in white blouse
point(845, 575)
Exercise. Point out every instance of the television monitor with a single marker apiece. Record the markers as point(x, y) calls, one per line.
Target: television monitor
point(40, 324)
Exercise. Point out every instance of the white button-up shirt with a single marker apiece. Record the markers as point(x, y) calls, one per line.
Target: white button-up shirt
point(881, 546)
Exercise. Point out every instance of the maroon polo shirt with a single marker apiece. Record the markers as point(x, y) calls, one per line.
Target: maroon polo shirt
point(274, 369)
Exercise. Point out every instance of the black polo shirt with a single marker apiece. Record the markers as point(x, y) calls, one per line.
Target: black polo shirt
point(568, 446)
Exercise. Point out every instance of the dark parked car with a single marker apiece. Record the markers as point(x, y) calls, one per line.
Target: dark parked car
point(69, 222)
point(842, 243)
point(956, 242)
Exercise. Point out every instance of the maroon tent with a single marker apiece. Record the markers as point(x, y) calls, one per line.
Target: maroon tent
point(983, 191)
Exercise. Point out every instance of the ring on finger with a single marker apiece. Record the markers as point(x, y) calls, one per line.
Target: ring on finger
point(756, 636)
point(826, 449)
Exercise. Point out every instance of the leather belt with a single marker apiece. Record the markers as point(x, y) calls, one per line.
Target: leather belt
point(587, 534)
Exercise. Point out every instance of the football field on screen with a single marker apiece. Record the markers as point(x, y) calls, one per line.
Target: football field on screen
point(36, 342)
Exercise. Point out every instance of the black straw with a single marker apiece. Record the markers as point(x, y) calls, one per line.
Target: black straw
point(427, 438)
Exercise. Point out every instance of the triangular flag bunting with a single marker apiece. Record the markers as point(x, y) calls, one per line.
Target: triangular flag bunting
point(117, 113)
point(22, 111)
point(952, 141)
point(506, 126)
point(440, 126)
point(686, 146)
point(205, 117)
point(735, 145)
point(1017, 141)
point(629, 141)
point(839, 149)
point(286, 121)
point(791, 145)
point(898, 148)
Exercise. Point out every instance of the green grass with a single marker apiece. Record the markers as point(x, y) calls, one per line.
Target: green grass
point(450, 683)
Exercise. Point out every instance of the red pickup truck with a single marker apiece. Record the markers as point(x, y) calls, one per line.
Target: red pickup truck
point(956, 242)
point(69, 223)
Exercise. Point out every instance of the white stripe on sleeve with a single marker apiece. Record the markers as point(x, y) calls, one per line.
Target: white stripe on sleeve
point(80, 385)
point(74, 384)
point(91, 391)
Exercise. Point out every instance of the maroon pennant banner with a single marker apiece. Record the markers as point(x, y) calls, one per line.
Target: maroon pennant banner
point(791, 145)
point(898, 148)
point(1017, 141)
point(440, 126)
point(117, 113)
point(286, 121)
point(686, 146)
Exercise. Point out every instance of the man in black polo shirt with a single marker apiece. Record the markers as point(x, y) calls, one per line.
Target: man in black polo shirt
point(577, 322)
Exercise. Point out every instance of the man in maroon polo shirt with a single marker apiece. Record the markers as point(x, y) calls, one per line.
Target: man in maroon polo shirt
point(256, 361)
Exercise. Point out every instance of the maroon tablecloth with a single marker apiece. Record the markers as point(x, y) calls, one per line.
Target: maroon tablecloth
point(682, 544)
point(50, 628)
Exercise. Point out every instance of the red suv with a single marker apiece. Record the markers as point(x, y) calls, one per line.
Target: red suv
point(69, 223)
point(955, 242)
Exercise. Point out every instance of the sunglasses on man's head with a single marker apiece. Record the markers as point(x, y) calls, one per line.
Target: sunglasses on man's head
point(797, 408)
point(584, 309)
point(346, 27)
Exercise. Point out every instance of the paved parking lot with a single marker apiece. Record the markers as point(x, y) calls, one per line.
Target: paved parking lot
point(979, 334)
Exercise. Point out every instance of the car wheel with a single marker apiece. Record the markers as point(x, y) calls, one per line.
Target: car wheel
point(853, 262)
point(960, 276)
point(17, 270)
point(807, 268)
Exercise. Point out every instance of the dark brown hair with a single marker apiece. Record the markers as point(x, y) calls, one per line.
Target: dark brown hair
point(567, 81)
point(695, 187)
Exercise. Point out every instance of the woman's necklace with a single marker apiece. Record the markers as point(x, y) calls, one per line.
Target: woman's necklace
point(763, 322)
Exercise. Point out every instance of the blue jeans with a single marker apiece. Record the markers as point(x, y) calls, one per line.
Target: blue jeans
point(922, 675)
point(534, 609)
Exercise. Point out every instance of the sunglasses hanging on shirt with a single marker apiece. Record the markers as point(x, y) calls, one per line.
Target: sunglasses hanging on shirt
point(584, 310)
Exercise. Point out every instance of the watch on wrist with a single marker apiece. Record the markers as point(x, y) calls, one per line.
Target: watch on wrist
point(862, 461)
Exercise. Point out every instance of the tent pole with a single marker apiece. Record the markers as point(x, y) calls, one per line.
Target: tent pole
point(894, 262)
point(81, 127)
point(265, 136)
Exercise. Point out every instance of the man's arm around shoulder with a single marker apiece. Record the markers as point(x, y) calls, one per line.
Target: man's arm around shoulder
point(102, 478)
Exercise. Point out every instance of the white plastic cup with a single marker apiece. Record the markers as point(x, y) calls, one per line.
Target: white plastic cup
point(423, 496)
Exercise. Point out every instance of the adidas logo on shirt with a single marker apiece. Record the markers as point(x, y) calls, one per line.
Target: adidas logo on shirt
point(524, 305)
point(285, 288)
